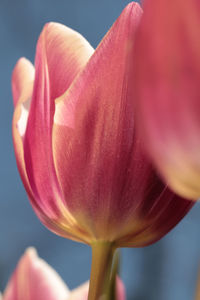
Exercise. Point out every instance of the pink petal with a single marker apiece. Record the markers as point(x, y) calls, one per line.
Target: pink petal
point(61, 54)
point(93, 127)
point(80, 293)
point(22, 80)
point(121, 293)
point(108, 184)
point(22, 87)
point(35, 279)
point(167, 76)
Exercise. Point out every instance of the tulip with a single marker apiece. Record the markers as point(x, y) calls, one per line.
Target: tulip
point(77, 149)
point(34, 279)
point(166, 79)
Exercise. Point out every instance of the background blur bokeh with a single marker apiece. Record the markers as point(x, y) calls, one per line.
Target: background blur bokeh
point(164, 271)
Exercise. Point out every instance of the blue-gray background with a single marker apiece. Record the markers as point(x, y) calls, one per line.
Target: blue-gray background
point(164, 271)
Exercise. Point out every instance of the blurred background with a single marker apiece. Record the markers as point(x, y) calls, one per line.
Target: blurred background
point(165, 271)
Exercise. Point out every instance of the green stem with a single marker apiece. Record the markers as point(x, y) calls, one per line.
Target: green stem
point(102, 256)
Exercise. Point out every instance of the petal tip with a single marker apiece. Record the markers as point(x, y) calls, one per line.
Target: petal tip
point(22, 74)
point(31, 252)
point(133, 6)
point(22, 63)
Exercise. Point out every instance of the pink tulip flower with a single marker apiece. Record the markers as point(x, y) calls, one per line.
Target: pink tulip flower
point(167, 76)
point(75, 140)
point(34, 279)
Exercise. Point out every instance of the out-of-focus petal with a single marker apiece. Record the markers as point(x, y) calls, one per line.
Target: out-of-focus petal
point(35, 279)
point(120, 290)
point(167, 76)
point(80, 293)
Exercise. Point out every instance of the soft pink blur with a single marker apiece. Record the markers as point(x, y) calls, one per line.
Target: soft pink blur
point(34, 279)
point(166, 79)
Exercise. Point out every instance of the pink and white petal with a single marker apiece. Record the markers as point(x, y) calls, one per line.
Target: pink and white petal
point(19, 152)
point(93, 127)
point(80, 293)
point(64, 52)
point(167, 74)
point(120, 289)
point(35, 279)
point(22, 80)
point(22, 83)
point(22, 87)
point(61, 53)
point(66, 226)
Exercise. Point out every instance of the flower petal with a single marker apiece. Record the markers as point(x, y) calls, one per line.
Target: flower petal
point(94, 128)
point(80, 293)
point(120, 292)
point(35, 279)
point(167, 75)
point(22, 87)
point(22, 80)
point(61, 53)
